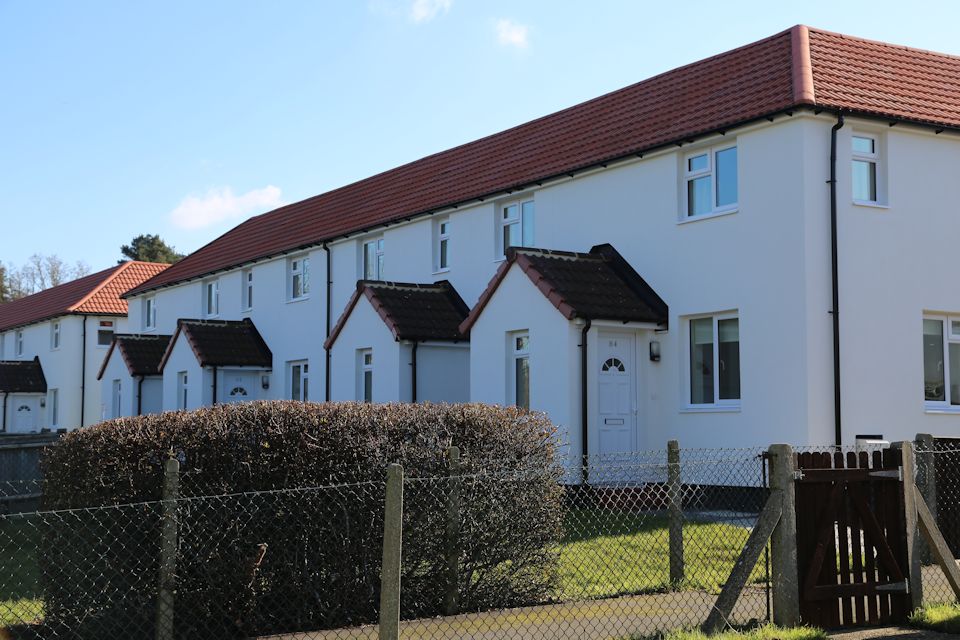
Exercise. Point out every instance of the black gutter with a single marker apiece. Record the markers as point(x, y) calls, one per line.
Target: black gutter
point(326, 372)
point(413, 373)
point(214, 385)
point(83, 372)
point(140, 396)
point(835, 280)
point(584, 413)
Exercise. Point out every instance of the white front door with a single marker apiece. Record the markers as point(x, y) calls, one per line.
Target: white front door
point(617, 393)
point(26, 414)
point(117, 401)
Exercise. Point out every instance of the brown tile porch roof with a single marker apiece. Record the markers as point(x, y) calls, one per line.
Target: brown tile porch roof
point(411, 311)
point(599, 285)
point(222, 343)
point(141, 353)
point(95, 294)
point(22, 376)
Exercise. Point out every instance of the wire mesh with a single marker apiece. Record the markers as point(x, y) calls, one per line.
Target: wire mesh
point(938, 481)
point(643, 547)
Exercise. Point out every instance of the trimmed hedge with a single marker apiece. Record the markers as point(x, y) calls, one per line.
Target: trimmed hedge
point(249, 474)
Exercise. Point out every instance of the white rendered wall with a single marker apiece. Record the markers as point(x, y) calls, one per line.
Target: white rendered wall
point(366, 330)
point(443, 372)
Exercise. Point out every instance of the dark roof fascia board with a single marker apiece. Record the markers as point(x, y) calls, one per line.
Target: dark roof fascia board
point(635, 282)
point(638, 153)
point(106, 358)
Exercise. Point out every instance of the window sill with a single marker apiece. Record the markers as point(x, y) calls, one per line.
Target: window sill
point(710, 409)
point(439, 271)
point(870, 205)
point(300, 299)
point(939, 410)
point(707, 216)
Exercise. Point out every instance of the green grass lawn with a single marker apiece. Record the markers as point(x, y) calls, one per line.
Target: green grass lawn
point(607, 553)
point(19, 574)
point(763, 632)
point(941, 617)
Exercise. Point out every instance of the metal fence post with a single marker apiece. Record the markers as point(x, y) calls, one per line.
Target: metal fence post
point(910, 522)
point(392, 547)
point(783, 542)
point(451, 601)
point(675, 513)
point(168, 550)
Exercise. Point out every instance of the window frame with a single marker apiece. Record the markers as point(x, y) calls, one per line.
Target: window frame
point(718, 404)
point(54, 403)
point(211, 294)
point(502, 223)
point(710, 171)
point(364, 372)
point(378, 267)
point(55, 336)
point(873, 158)
point(18, 342)
point(518, 353)
point(298, 266)
point(150, 313)
point(303, 367)
point(102, 326)
point(441, 236)
point(246, 291)
point(948, 337)
point(183, 388)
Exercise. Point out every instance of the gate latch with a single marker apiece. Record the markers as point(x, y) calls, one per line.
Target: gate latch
point(798, 474)
point(895, 587)
point(888, 473)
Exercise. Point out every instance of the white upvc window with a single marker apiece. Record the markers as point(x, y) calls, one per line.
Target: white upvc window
point(298, 278)
point(150, 313)
point(105, 333)
point(182, 390)
point(713, 361)
point(710, 181)
point(518, 372)
point(299, 380)
point(865, 153)
point(516, 223)
point(54, 407)
point(941, 362)
point(365, 375)
point(246, 279)
point(55, 335)
point(19, 343)
point(373, 265)
point(441, 249)
point(211, 298)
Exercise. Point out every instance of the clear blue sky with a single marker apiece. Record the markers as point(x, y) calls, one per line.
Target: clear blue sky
point(182, 118)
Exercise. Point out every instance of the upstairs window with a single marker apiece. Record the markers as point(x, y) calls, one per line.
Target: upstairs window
point(298, 278)
point(300, 381)
point(373, 260)
point(55, 335)
point(865, 157)
point(515, 221)
point(941, 362)
point(519, 372)
point(19, 343)
point(150, 313)
point(211, 298)
point(246, 278)
point(711, 181)
point(441, 251)
point(105, 333)
point(365, 376)
point(714, 361)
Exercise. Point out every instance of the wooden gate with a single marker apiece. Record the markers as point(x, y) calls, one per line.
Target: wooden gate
point(851, 539)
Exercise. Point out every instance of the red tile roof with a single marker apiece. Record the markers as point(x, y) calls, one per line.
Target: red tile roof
point(795, 68)
point(599, 285)
point(98, 294)
point(411, 311)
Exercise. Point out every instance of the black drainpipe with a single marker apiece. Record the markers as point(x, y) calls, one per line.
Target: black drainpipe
point(584, 440)
point(838, 432)
point(326, 372)
point(5, 394)
point(413, 372)
point(140, 396)
point(214, 385)
point(83, 372)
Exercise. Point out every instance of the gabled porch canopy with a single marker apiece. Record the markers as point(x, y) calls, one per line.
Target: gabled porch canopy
point(22, 376)
point(222, 343)
point(141, 353)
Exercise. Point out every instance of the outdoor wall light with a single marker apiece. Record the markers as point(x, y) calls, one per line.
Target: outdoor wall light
point(43, 403)
point(265, 382)
point(654, 351)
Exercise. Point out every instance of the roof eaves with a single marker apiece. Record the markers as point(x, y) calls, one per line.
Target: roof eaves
point(103, 283)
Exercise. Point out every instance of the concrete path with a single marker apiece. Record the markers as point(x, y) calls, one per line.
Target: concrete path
point(893, 633)
point(611, 619)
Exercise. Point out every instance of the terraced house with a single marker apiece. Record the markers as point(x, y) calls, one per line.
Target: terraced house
point(52, 343)
point(755, 247)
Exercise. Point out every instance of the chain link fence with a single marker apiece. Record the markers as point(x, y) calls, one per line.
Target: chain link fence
point(938, 482)
point(643, 547)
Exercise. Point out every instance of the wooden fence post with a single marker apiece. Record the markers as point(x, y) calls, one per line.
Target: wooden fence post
point(168, 550)
point(392, 548)
point(783, 541)
point(910, 522)
point(451, 599)
point(675, 513)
